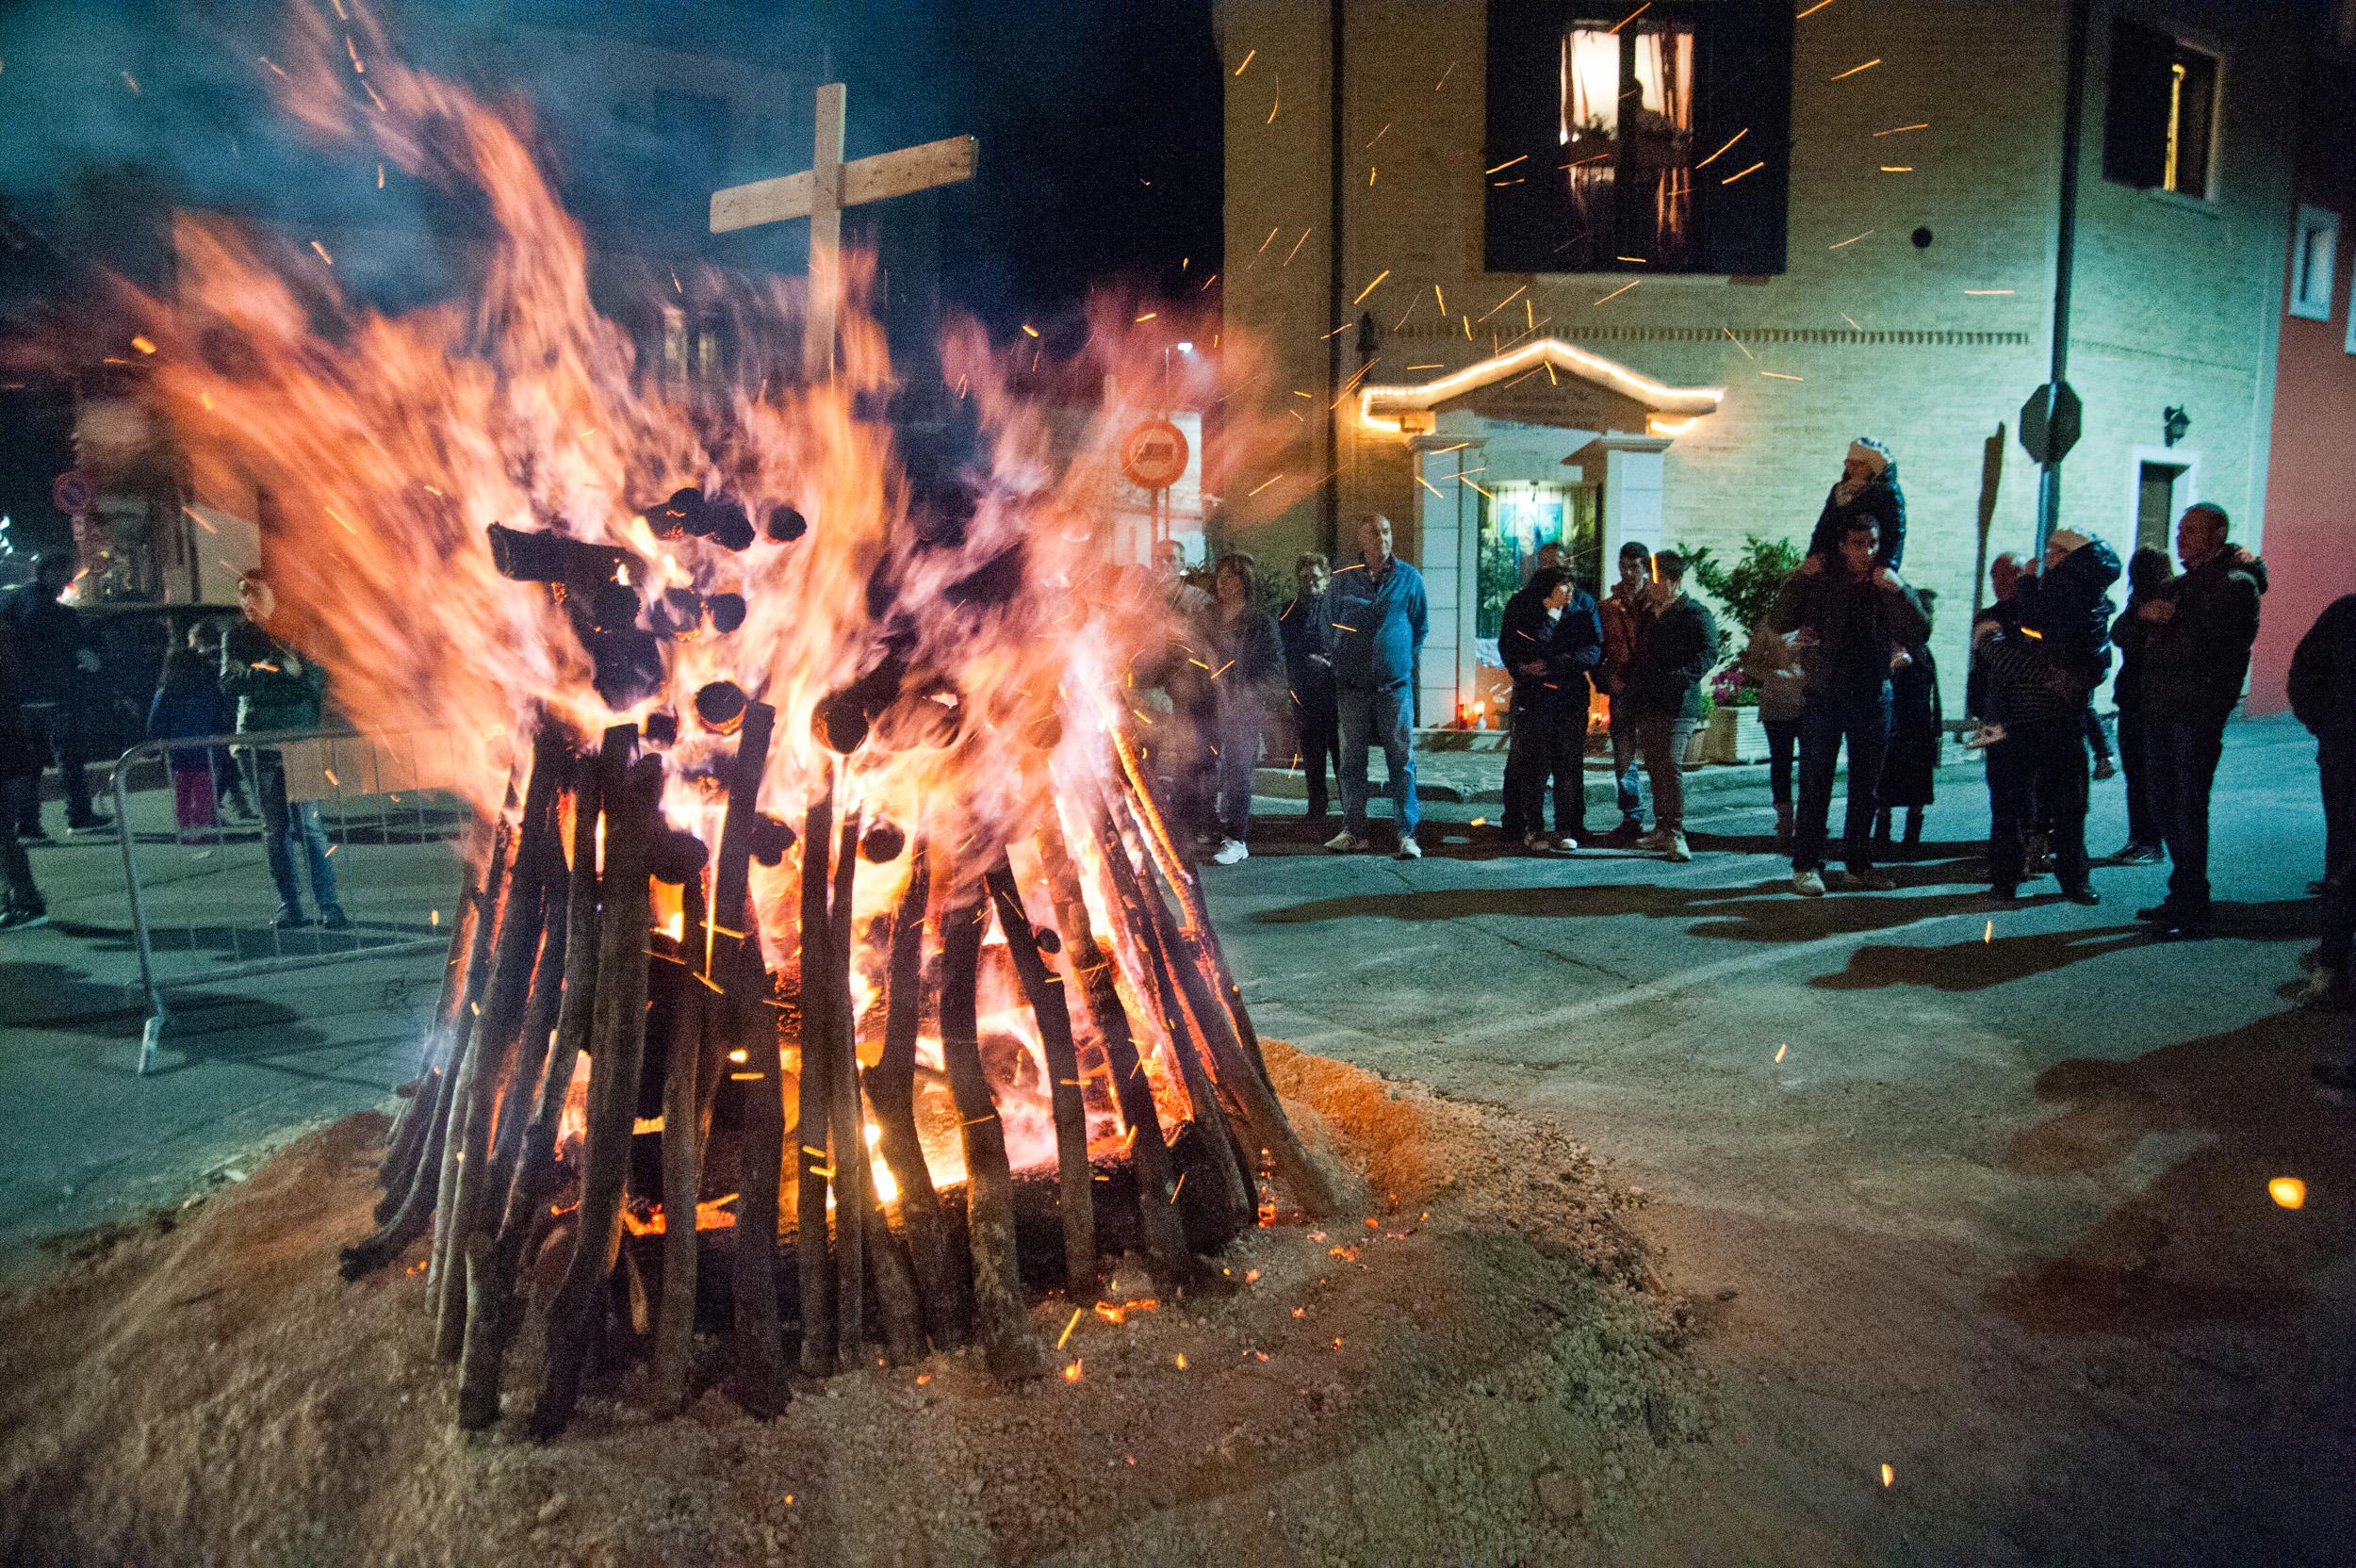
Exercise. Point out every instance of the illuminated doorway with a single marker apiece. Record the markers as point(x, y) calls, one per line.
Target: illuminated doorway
point(1519, 516)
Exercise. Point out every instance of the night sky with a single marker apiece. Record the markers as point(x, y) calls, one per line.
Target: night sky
point(1098, 123)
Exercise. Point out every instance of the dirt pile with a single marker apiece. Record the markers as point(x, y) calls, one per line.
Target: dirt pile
point(1469, 1366)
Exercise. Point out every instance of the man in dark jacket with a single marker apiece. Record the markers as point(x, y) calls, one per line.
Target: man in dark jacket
point(1673, 653)
point(1624, 613)
point(2148, 573)
point(1549, 639)
point(54, 662)
point(277, 689)
point(1380, 617)
point(1853, 615)
point(2323, 695)
point(1867, 489)
point(2196, 657)
point(1307, 629)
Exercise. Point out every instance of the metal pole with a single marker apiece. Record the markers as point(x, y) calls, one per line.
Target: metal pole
point(151, 1034)
point(2066, 237)
point(1331, 524)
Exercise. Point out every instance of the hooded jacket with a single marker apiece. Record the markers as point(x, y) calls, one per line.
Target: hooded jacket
point(1879, 499)
point(2194, 662)
point(1569, 646)
point(2067, 608)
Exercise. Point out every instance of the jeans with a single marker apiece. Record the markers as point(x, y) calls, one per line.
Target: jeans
point(283, 826)
point(1661, 741)
point(1860, 718)
point(1317, 733)
point(14, 864)
point(1237, 741)
point(1549, 740)
point(2037, 778)
point(2143, 818)
point(1624, 778)
point(2182, 759)
point(1385, 716)
point(1783, 745)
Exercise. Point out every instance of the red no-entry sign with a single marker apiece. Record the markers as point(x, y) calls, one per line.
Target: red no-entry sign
point(71, 492)
point(1153, 455)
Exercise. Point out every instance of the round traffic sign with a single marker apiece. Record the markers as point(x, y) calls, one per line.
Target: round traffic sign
point(1153, 455)
point(71, 492)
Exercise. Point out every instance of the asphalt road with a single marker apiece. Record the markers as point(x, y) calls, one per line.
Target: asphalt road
point(1978, 1195)
point(1981, 1195)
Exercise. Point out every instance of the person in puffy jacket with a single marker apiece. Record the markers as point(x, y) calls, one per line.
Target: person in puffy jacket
point(1867, 489)
point(2197, 636)
point(2148, 572)
point(1247, 660)
point(1550, 638)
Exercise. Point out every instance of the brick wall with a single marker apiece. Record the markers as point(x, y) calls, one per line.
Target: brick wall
point(1883, 335)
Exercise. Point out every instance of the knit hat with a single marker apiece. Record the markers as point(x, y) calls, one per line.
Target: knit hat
point(1871, 453)
point(2066, 540)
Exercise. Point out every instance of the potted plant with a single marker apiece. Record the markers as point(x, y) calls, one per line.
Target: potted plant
point(1731, 731)
point(1734, 733)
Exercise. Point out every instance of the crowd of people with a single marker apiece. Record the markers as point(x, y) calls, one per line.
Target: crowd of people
point(1844, 674)
point(214, 682)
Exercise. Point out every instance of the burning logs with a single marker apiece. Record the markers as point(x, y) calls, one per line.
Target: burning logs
point(1002, 1138)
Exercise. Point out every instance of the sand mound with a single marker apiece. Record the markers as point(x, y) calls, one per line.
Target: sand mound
point(1470, 1368)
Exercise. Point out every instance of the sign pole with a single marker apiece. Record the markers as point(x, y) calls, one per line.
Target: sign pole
point(2066, 235)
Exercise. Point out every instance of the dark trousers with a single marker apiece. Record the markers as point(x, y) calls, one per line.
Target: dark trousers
point(1627, 774)
point(1859, 718)
point(2143, 819)
point(2182, 759)
point(1783, 748)
point(1317, 733)
point(2335, 761)
point(2091, 724)
point(1549, 740)
point(14, 794)
point(289, 827)
point(2036, 780)
point(62, 737)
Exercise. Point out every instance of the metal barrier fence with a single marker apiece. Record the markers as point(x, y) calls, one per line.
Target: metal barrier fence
point(366, 830)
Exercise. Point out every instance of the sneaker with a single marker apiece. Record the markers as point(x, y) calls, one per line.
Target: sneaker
point(1657, 839)
point(333, 919)
point(91, 824)
point(23, 919)
point(2083, 893)
point(1872, 882)
point(2104, 768)
point(1675, 848)
point(2137, 854)
point(1807, 884)
point(1566, 844)
point(1346, 842)
point(1409, 849)
point(2158, 914)
point(288, 917)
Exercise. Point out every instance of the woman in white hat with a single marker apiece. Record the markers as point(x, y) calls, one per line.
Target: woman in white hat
point(1868, 487)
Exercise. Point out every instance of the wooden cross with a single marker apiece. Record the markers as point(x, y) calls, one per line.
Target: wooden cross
point(821, 193)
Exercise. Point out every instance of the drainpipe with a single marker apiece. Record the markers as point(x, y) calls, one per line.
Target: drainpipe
point(1331, 525)
point(2066, 236)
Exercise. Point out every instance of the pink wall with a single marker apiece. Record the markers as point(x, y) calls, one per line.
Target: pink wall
point(2310, 539)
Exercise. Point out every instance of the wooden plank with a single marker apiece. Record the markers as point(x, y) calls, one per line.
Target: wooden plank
point(825, 237)
point(747, 207)
point(909, 170)
point(871, 179)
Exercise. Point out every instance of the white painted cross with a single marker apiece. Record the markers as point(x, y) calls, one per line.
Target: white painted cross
point(821, 193)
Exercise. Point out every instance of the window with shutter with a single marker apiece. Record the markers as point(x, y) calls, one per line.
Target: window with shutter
point(1655, 142)
point(2159, 115)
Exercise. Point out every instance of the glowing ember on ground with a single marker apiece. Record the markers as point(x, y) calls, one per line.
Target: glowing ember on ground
point(2288, 1192)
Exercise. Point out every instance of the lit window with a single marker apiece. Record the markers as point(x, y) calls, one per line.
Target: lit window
point(2314, 243)
point(2160, 117)
point(1633, 144)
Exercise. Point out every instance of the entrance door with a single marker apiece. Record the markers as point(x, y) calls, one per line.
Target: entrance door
point(2155, 503)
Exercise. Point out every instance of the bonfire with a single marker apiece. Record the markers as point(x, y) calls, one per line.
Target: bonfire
point(828, 971)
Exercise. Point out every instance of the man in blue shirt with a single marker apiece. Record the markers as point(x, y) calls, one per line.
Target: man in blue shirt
point(1380, 617)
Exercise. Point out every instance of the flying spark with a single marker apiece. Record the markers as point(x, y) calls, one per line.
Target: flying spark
point(1781, 1049)
point(2288, 1192)
point(132, 82)
point(322, 251)
point(1897, 169)
point(1249, 56)
point(1890, 1476)
point(1714, 156)
point(1752, 169)
point(1613, 295)
point(1855, 69)
point(1919, 126)
point(1738, 343)
point(1631, 16)
point(1507, 164)
point(1812, 11)
point(1370, 288)
point(1851, 241)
